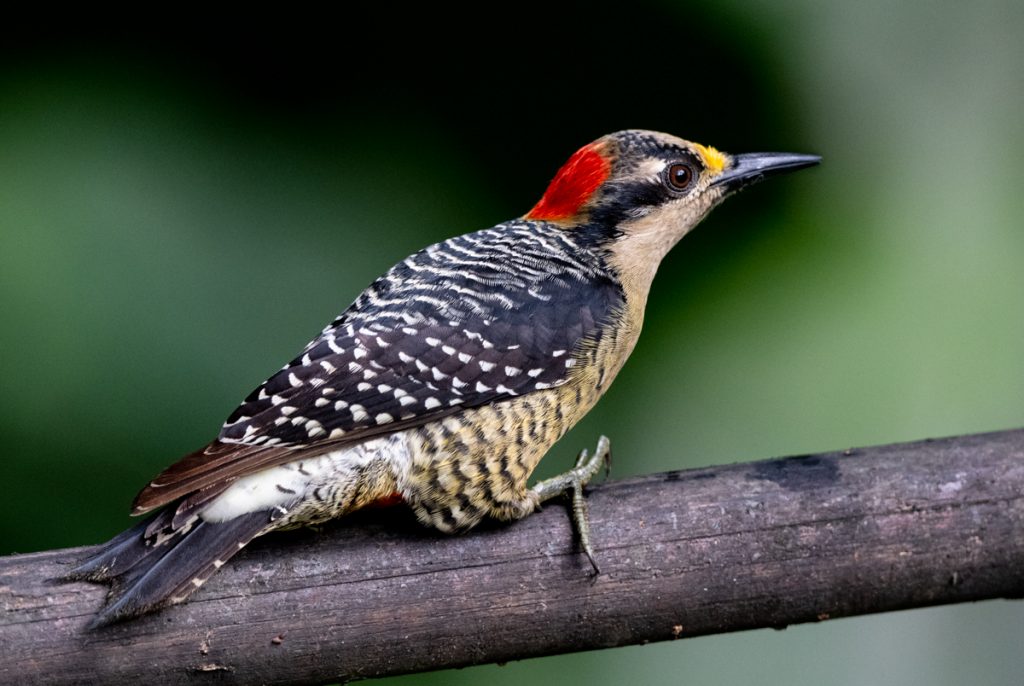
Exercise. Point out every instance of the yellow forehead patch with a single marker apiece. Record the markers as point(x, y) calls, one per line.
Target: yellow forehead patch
point(714, 160)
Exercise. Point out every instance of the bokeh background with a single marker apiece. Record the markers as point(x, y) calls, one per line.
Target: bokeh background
point(184, 205)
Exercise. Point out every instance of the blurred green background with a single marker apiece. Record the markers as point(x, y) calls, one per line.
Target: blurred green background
point(183, 207)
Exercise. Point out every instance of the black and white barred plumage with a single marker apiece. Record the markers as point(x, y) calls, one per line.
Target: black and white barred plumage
point(468, 321)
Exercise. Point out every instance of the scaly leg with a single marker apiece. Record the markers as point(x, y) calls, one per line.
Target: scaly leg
point(572, 482)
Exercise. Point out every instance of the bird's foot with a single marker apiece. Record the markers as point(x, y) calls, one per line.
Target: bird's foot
point(572, 483)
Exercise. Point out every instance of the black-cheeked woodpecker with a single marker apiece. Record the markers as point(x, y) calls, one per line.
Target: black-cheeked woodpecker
point(447, 380)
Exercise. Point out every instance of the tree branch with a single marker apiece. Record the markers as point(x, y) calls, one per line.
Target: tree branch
point(764, 544)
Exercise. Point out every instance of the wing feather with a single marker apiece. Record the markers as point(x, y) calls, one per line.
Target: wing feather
point(426, 340)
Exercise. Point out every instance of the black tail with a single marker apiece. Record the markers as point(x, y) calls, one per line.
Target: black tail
point(157, 563)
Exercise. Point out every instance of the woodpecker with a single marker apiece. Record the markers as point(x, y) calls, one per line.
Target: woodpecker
point(446, 381)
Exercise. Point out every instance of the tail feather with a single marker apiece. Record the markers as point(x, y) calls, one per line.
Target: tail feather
point(154, 564)
point(124, 551)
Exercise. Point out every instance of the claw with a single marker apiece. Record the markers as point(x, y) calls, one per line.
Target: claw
point(581, 518)
point(581, 458)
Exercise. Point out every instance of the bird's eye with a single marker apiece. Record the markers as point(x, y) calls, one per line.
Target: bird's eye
point(680, 176)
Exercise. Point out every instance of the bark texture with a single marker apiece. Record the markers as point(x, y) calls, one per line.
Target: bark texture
point(763, 544)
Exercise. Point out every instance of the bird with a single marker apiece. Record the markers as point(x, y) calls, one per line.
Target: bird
point(446, 381)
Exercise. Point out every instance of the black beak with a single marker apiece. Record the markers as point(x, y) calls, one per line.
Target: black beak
point(751, 167)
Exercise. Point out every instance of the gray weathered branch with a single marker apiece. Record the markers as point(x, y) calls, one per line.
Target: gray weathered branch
point(685, 553)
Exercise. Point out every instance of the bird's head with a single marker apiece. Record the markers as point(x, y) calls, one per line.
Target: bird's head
point(636, 193)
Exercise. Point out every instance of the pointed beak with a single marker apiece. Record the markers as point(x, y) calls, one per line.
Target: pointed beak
point(751, 167)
